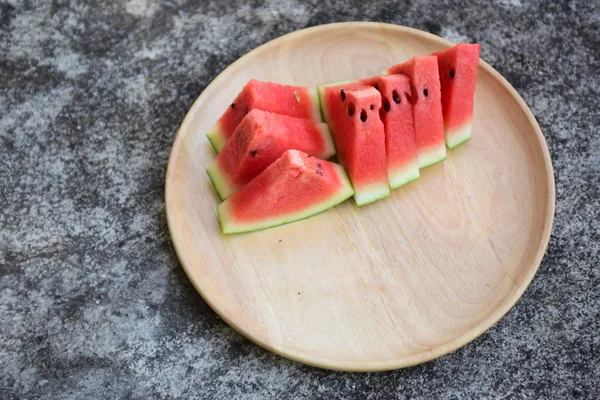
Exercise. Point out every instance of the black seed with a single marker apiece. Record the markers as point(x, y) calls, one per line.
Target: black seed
point(372, 107)
point(343, 94)
point(253, 152)
point(351, 110)
point(232, 105)
point(363, 115)
point(298, 292)
point(376, 86)
point(386, 104)
point(451, 74)
point(396, 97)
point(425, 92)
point(320, 173)
point(280, 240)
point(318, 165)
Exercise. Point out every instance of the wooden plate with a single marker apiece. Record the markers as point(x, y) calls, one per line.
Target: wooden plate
point(396, 283)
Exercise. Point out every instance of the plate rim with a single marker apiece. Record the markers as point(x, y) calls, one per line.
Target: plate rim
point(371, 366)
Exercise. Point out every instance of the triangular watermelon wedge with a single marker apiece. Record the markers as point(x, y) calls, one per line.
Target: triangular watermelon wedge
point(294, 101)
point(397, 116)
point(260, 139)
point(458, 77)
point(352, 111)
point(294, 187)
point(427, 107)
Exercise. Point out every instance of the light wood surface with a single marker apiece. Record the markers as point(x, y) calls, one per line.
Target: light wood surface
point(396, 283)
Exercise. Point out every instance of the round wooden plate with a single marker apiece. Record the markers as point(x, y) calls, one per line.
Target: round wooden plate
point(392, 284)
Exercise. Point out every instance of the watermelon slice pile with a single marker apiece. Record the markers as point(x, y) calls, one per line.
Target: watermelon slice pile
point(274, 140)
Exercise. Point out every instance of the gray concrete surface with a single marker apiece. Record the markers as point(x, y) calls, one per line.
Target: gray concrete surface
point(93, 302)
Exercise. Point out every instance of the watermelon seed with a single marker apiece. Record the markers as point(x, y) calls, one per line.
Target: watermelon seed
point(351, 110)
point(320, 173)
point(343, 94)
point(363, 115)
point(425, 92)
point(253, 152)
point(318, 165)
point(232, 105)
point(372, 107)
point(386, 104)
point(297, 96)
point(396, 97)
point(452, 73)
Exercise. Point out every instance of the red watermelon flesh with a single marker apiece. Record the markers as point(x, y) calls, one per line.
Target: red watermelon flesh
point(260, 139)
point(294, 187)
point(352, 112)
point(458, 77)
point(294, 101)
point(427, 107)
point(397, 116)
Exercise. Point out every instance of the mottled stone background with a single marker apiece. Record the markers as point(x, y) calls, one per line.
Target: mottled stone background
point(93, 302)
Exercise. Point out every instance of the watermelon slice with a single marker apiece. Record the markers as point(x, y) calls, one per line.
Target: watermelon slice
point(397, 117)
point(458, 77)
point(261, 138)
point(294, 101)
point(352, 112)
point(294, 187)
point(427, 108)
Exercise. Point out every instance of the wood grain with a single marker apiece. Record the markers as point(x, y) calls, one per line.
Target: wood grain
point(396, 283)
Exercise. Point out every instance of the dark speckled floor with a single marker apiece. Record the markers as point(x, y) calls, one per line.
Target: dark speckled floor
point(93, 302)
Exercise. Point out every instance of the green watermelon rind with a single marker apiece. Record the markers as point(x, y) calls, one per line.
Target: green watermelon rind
point(321, 112)
point(431, 156)
point(458, 136)
point(317, 115)
point(367, 194)
point(403, 175)
point(216, 137)
point(222, 185)
point(328, 144)
point(345, 191)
